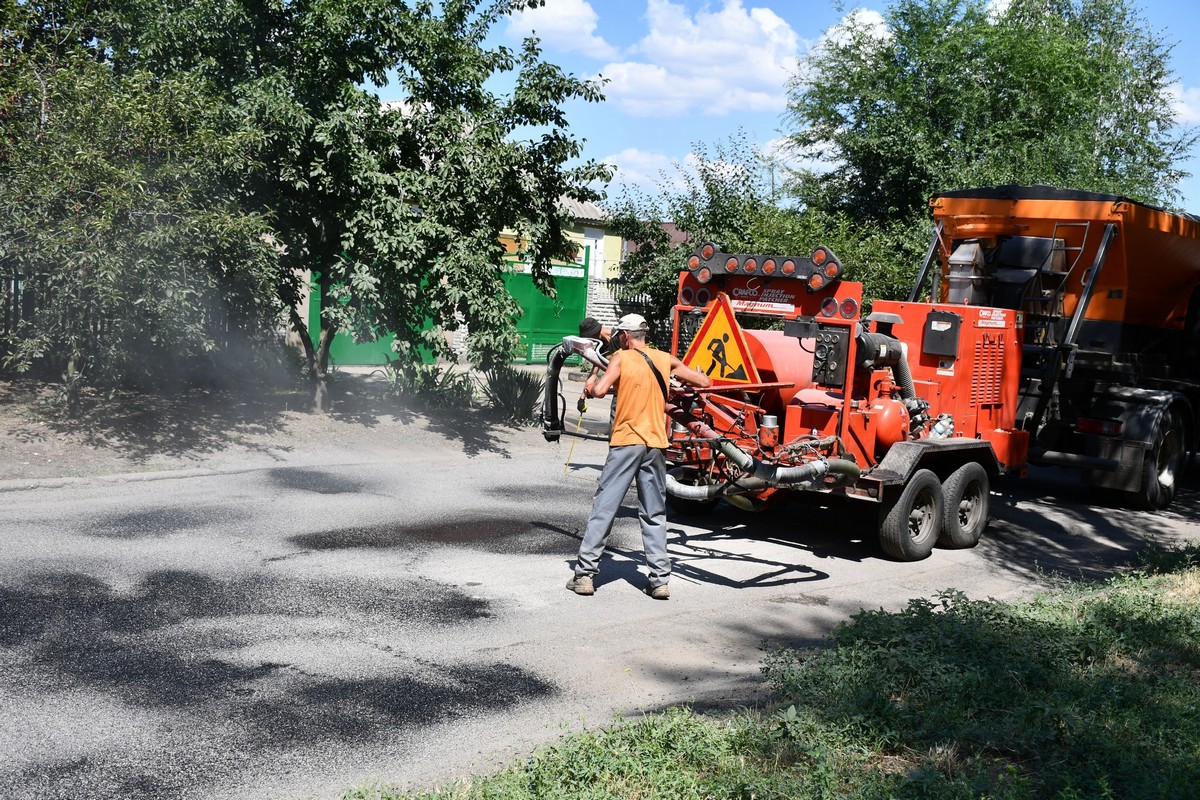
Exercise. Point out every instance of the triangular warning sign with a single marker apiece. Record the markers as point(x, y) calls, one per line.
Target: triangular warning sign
point(719, 349)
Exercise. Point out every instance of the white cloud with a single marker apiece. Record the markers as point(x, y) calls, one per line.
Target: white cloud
point(644, 171)
point(862, 18)
point(1186, 102)
point(717, 62)
point(563, 25)
point(652, 172)
point(997, 8)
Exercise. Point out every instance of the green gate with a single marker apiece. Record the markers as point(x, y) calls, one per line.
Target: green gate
point(546, 320)
point(343, 350)
point(542, 325)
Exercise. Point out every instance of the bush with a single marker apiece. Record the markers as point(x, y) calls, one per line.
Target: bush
point(516, 394)
point(428, 386)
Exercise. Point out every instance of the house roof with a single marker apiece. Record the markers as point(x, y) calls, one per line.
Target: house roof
point(584, 211)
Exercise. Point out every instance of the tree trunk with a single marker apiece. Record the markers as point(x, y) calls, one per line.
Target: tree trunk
point(71, 383)
point(316, 360)
point(318, 356)
point(320, 372)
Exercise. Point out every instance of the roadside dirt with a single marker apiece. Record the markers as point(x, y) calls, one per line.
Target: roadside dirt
point(208, 429)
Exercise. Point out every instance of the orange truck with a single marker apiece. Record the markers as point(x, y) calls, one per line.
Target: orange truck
point(1046, 326)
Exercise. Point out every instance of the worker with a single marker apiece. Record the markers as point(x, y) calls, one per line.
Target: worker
point(636, 448)
point(590, 328)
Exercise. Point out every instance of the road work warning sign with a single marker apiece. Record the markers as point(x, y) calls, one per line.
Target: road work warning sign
point(719, 349)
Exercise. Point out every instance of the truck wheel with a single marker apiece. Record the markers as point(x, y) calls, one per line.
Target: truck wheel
point(910, 524)
point(1164, 463)
point(965, 510)
point(688, 506)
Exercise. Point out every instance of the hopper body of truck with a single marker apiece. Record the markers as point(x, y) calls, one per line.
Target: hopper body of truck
point(1109, 292)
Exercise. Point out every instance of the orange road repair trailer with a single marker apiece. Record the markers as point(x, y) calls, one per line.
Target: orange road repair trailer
point(1045, 326)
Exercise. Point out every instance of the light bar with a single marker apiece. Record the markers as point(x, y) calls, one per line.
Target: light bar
point(819, 271)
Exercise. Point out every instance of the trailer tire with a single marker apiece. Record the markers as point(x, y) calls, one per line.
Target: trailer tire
point(1164, 463)
point(965, 510)
point(909, 526)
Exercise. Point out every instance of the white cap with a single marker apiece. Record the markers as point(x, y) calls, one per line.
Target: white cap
point(632, 322)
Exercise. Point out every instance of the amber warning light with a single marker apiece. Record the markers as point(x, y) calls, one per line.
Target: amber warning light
point(818, 271)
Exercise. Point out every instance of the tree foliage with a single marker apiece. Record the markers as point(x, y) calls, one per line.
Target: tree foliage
point(117, 223)
point(731, 194)
point(946, 94)
point(719, 196)
point(956, 93)
point(395, 212)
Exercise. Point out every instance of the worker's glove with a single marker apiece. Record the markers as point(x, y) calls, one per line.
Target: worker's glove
point(582, 404)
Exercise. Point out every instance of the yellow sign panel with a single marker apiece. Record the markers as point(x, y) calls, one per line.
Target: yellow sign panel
point(719, 349)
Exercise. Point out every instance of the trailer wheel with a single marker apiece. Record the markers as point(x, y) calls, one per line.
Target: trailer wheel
point(910, 524)
point(1164, 463)
point(965, 510)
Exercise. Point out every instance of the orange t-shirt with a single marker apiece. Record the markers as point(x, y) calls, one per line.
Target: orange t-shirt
point(640, 417)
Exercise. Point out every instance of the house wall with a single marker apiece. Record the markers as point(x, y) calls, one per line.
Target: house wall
point(600, 302)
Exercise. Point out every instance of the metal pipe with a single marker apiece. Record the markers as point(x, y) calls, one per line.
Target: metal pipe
point(915, 292)
point(903, 372)
point(686, 491)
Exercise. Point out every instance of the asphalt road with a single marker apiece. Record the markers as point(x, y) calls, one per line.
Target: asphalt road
point(291, 627)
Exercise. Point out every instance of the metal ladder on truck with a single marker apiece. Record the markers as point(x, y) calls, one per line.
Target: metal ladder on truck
point(1051, 338)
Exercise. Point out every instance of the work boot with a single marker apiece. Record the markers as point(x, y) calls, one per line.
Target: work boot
point(658, 592)
point(581, 584)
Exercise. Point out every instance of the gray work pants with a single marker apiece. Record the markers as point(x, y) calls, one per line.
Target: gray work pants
point(649, 466)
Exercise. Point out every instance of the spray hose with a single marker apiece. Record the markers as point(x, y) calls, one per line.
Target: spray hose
point(552, 401)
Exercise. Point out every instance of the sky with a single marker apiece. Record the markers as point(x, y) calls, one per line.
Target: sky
point(682, 72)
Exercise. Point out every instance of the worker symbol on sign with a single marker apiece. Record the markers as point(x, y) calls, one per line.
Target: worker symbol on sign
point(719, 359)
point(719, 347)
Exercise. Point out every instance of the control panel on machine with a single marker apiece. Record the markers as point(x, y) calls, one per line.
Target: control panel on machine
point(831, 350)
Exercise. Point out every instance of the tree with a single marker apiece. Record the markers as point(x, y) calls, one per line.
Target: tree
point(395, 212)
point(118, 222)
point(953, 93)
point(719, 196)
point(729, 193)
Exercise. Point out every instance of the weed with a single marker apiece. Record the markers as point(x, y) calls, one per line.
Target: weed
point(427, 386)
point(514, 393)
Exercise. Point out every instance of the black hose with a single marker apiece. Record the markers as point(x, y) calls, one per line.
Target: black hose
point(552, 421)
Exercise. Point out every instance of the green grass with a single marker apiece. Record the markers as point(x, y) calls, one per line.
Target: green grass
point(1091, 691)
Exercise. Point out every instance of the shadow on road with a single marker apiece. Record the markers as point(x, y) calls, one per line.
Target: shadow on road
point(1047, 524)
point(268, 418)
point(1051, 524)
point(180, 647)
